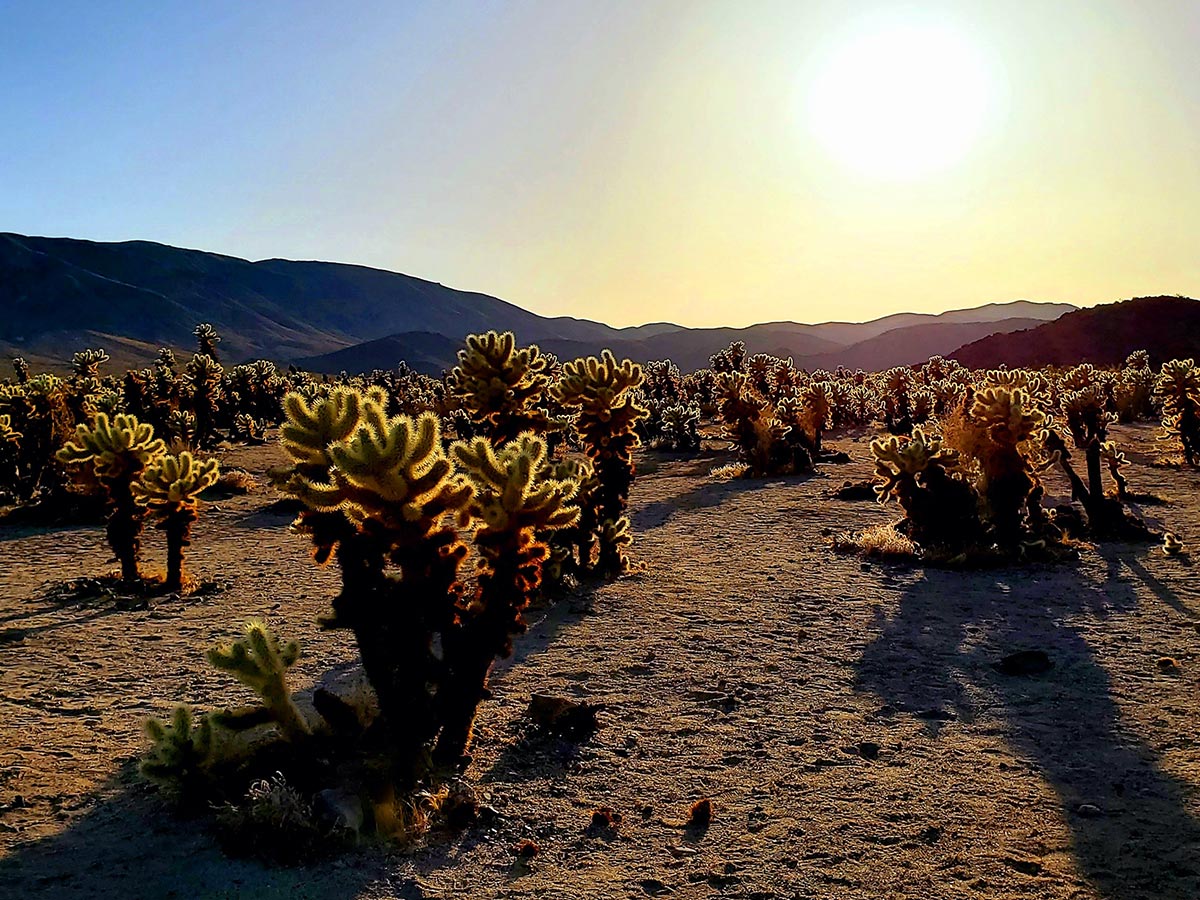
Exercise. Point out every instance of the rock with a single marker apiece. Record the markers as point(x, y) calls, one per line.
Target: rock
point(868, 750)
point(852, 491)
point(653, 887)
point(1025, 662)
point(1024, 866)
point(1168, 666)
point(1089, 811)
point(337, 809)
point(563, 717)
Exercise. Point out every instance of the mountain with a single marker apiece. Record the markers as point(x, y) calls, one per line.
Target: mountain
point(62, 294)
point(53, 289)
point(1168, 327)
point(913, 344)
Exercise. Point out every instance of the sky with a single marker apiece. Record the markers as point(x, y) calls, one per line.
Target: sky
point(705, 163)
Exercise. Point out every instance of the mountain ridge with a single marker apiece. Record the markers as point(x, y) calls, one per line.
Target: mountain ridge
point(62, 292)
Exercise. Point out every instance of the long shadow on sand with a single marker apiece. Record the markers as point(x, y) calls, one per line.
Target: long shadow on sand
point(128, 845)
point(1133, 837)
point(706, 495)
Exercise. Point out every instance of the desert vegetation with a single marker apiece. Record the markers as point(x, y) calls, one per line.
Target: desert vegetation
point(451, 507)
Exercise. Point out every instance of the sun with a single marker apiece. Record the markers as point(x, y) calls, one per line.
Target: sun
point(901, 103)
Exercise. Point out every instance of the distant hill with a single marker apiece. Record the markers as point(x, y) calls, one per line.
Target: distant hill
point(912, 344)
point(60, 295)
point(1168, 327)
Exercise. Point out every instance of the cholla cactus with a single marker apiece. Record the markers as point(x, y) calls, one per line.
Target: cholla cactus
point(170, 488)
point(770, 440)
point(260, 662)
point(119, 450)
point(680, 427)
point(181, 754)
point(731, 359)
point(20, 369)
point(1012, 425)
point(514, 507)
point(207, 340)
point(1178, 388)
point(382, 492)
point(203, 380)
point(86, 363)
point(500, 385)
point(600, 389)
point(922, 475)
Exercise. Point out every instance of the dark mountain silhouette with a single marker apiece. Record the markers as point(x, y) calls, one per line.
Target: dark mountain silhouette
point(912, 344)
point(1168, 327)
point(62, 294)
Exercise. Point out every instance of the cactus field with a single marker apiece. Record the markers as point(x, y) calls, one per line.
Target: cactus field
point(594, 628)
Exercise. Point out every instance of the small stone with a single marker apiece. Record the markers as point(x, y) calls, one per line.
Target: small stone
point(1089, 811)
point(1026, 662)
point(653, 887)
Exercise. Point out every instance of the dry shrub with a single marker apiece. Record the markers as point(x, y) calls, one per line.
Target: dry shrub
point(274, 822)
point(232, 483)
point(729, 472)
point(879, 541)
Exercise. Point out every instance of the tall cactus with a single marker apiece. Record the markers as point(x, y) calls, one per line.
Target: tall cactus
point(501, 385)
point(381, 492)
point(514, 506)
point(207, 340)
point(119, 450)
point(170, 488)
point(601, 391)
point(1178, 387)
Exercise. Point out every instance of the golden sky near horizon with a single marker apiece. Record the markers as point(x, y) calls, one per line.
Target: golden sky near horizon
point(700, 162)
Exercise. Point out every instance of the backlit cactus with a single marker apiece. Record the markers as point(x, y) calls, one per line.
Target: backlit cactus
point(170, 488)
point(383, 494)
point(514, 506)
point(601, 393)
point(1178, 388)
point(119, 450)
point(501, 385)
point(941, 508)
point(180, 755)
point(260, 661)
point(207, 340)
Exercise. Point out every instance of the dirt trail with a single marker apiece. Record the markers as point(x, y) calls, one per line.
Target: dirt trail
point(845, 717)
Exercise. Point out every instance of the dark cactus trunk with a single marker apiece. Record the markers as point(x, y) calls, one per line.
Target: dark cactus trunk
point(124, 529)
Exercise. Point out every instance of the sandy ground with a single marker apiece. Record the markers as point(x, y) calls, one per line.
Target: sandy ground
point(845, 717)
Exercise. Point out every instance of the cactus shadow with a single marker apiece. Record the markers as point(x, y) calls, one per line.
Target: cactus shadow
point(129, 845)
point(1132, 834)
point(708, 494)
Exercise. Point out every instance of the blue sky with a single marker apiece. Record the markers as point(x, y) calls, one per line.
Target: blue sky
point(623, 161)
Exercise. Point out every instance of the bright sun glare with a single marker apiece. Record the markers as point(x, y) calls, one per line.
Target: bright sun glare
point(901, 103)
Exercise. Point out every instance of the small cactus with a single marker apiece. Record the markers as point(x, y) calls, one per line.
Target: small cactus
point(181, 753)
point(170, 488)
point(260, 662)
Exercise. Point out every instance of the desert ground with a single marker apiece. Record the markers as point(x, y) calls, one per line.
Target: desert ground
point(844, 716)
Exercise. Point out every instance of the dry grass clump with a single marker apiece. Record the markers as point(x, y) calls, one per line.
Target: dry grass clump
point(274, 822)
point(232, 483)
point(729, 472)
point(878, 541)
